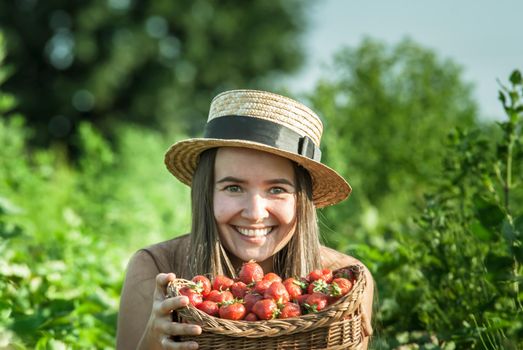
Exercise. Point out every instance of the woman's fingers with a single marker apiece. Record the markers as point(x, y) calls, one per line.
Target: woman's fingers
point(174, 328)
point(166, 306)
point(170, 344)
point(162, 280)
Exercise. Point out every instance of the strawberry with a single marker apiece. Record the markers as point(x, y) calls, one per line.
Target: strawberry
point(209, 307)
point(318, 286)
point(233, 311)
point(316, 302)
point(302, 298)
point(221, 282)
point(324, 274)
point(250, 272)
point(251, 316)
point(340, 287)
point(250, 299)
point(265, 309)
point(290, 310)
point(314, 275)
point(239, 289)
point(327, 275)
point(261, 286)
point(277, 292)
point(195, 298)
point(220, 296)
point(294, 287)
point(271, 276)
point(203, 285)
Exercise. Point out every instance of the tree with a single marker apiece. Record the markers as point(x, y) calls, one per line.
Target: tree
point(387, 111)
point(157, 63)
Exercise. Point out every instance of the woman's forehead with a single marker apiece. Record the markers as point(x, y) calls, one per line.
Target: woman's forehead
point(237, 160)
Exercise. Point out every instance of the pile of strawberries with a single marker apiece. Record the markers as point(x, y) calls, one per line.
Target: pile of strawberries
point(257, 296)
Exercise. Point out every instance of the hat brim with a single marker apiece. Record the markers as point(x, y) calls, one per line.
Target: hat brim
point(328, 186)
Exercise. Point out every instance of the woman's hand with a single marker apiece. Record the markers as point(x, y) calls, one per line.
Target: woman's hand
point(161, 329)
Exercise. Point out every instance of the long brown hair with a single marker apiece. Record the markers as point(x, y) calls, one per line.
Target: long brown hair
point(207, 254)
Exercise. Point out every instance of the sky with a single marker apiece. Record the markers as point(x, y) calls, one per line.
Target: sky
point(484, 37)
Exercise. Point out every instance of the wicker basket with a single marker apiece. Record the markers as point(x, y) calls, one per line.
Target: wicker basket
point(336, 327)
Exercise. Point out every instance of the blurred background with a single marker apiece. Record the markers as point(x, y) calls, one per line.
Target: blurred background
point(423, 111)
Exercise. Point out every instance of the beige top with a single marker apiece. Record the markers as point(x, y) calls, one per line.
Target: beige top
point(165, 257)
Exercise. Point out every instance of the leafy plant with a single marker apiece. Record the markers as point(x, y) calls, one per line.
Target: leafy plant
point(461, 271)
point(67, 230)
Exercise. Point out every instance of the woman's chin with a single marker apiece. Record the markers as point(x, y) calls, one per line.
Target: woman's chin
point(256, 254)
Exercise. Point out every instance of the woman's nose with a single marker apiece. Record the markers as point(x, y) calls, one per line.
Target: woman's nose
point(255, 208)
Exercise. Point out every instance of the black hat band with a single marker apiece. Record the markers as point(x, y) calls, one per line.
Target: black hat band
point(235, 127)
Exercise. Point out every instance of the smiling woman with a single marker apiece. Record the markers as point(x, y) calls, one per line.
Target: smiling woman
point(256, 180)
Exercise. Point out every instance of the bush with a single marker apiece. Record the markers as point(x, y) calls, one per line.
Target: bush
point(456, 280)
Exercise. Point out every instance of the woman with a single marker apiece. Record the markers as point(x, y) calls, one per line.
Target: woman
point(256, 180)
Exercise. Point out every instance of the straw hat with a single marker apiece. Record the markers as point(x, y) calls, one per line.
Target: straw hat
point(267, 122)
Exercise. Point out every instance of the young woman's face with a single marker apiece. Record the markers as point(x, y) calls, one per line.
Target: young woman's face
point(254, 202)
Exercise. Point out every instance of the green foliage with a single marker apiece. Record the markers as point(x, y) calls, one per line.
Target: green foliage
point(157, 63)
point(460, 270)
point(59, 282)
point(387, 111)
point(437, 210)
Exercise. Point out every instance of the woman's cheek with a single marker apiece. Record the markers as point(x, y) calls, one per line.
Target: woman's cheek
point(223, 208)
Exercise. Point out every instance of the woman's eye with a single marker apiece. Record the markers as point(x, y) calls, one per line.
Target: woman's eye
point(277, 190)
point(233, 188)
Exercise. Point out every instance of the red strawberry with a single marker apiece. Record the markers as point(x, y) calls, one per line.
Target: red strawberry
point(195, 298)
point(220, 296)
point(265, 309)
point(239, 289)
point(250, 299)
point(290, 310)
point(324, 274)
point(340, 286)
point(314, 275)
point(318, 286)
point(316, 302)
point(302, 298)
point(327, 275)
point(203, 285)
point(294, 287)
point(277, 292)
point(250, 272)
point(221, 282)
point(271, 276)
point(209, 307)
point(251, 316)
point(234, 311)
point(261, 286)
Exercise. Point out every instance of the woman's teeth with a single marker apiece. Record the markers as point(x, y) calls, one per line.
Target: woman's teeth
point(254, 232)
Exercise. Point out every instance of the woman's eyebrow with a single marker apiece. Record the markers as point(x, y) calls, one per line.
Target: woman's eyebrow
point(230, 179)
point(280, 181)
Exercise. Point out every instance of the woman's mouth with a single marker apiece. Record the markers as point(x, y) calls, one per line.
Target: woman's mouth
point(250, 232)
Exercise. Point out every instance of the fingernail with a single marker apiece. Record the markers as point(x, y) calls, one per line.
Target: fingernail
point(194, 345)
